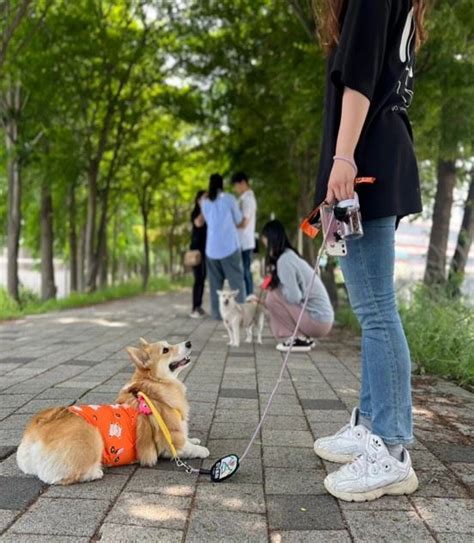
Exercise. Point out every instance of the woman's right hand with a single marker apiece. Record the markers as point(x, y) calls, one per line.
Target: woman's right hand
point(341, 182)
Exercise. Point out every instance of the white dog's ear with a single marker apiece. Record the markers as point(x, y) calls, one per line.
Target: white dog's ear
point(143, 341)
point(219, 292)
point(139, 357)
point(235, 292)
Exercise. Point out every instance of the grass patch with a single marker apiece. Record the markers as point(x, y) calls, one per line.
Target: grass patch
point(345, 317)
point(440, 332)
point(30, 304)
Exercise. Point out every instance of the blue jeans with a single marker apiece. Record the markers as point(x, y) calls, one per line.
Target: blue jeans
point(219, 270)
point(368, 271)
point(247, 263)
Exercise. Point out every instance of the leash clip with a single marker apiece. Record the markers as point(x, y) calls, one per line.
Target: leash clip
point(181, 464)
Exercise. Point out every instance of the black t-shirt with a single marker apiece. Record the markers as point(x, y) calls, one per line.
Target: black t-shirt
point(198, 233)
point(375, 56)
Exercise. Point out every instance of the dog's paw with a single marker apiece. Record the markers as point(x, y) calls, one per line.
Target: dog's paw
point(259, 341)
point(148, 459)
point(195, 440)
point(201, 452)
point(248, 340)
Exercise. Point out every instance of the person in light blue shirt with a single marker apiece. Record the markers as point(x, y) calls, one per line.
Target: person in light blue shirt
point(223, 256)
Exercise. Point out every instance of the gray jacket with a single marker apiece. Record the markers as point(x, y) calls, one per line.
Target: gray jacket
point(295, 274)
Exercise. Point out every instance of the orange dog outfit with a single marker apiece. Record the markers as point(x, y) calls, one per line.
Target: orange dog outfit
point(117, 425)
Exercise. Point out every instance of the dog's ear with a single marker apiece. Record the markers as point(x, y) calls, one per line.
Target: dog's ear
point(139, 357)
point(143, 341)
point(235, 293)
point(219, 292)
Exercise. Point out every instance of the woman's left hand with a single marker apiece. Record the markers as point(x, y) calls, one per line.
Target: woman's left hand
point(341, 182)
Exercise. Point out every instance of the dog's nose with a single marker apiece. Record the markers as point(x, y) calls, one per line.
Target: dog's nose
point(188, 344)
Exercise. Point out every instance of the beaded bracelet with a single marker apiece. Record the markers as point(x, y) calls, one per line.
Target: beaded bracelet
point(348, 160)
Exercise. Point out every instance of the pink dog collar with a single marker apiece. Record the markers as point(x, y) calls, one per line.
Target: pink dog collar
point(143, 408)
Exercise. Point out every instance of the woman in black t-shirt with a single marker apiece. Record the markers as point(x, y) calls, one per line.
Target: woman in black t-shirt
point(371, 50)
point(198, 243)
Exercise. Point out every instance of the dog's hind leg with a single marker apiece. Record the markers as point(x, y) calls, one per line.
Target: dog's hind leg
point(260, 325)
point(236, 330)
point(228, 327)
point(25, 457)
point(249, 331)
point(93, 474)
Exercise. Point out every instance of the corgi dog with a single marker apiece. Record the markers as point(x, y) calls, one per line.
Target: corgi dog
point(236, 315)
point(65, 445)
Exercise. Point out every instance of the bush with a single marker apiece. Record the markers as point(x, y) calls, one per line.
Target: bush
point(8, 305)
point(28, 297)
point(346, 318)
point(440, 332)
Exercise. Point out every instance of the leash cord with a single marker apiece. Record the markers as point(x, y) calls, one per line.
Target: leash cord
point(190, 469)
point(293, 337)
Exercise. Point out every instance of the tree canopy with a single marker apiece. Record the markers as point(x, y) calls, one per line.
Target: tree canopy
point(115, 112)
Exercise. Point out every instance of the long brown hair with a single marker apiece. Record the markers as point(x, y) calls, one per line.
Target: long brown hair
point(328, 15)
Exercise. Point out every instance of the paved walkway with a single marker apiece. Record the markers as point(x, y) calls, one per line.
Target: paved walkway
point(278, 496)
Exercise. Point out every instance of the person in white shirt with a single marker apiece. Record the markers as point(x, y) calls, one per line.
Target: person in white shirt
point(248, 206)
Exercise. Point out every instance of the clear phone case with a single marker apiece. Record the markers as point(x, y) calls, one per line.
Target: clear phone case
point(333, 230)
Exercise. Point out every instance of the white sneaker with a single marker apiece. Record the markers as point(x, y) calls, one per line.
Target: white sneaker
point(195, 315)
point(372, 475)
point(346, 444)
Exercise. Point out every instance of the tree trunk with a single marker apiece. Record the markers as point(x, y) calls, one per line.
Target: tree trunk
point(435, 272)
point(146, 250)
point(305, 165)
point(12, 107)
point(48, 288)
point(73, 249)
point(171, 240)
point(114, 247)
point(90, 260)
point(100, 255)
point(171, 253)
point(463, 246)
point(81, 256)
point(104, 265)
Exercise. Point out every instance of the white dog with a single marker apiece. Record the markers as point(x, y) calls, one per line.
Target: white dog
point(247, 314)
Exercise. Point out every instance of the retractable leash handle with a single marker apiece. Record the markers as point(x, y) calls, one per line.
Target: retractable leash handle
point(311, 225)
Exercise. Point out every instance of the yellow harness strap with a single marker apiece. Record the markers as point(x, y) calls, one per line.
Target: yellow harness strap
point(161, 422)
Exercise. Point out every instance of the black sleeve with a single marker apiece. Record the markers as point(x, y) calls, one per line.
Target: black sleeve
point(195, 213)
point(360, 54)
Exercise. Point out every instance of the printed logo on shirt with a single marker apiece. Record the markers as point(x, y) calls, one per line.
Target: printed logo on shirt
point(407, 57)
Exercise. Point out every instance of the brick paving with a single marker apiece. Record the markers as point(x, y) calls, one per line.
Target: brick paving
point(278, 496)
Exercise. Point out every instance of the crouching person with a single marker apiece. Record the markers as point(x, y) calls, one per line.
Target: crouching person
point(291, 276)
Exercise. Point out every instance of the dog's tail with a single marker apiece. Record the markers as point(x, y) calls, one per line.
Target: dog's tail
point(252, 298)
point(47, 415)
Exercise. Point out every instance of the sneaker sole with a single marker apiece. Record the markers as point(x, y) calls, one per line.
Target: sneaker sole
point(295, 350)
point(407, 486)
point(332, 457)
